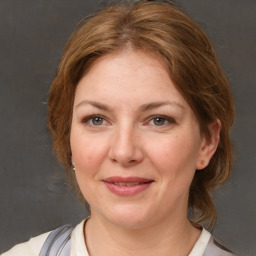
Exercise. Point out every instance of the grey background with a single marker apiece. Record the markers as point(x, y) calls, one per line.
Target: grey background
point(33, 197)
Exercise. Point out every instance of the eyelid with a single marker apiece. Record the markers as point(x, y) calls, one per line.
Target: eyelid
point(169, 119)
point(90, 117)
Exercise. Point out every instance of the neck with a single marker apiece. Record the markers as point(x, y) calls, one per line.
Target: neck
point(166, 238)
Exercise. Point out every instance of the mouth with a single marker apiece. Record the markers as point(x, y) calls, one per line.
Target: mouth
point(127, 186)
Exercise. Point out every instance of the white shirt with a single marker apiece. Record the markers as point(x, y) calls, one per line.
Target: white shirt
point(78, 246)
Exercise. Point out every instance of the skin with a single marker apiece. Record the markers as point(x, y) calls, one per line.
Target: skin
point(141, 126)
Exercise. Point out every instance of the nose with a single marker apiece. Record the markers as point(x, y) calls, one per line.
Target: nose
point(126, 148)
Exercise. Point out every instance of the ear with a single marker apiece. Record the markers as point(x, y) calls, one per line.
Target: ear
point(209, 145)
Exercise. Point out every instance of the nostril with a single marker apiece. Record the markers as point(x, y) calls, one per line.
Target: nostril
point(113, 160)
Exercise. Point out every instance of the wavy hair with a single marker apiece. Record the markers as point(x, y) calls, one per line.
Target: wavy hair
point(162, 29)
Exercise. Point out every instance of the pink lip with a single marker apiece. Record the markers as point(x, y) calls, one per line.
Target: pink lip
point(127, 190)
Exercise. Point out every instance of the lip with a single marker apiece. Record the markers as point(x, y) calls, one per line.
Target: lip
point(123, 186)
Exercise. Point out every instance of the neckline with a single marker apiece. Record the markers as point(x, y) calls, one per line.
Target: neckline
point(79, 247)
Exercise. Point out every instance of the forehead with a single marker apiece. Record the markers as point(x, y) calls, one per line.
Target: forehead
point(127, 71)
point(125, 57)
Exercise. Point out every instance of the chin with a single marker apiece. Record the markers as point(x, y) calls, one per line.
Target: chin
point(128, 216)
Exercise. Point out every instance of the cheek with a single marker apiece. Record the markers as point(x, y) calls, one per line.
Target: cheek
point(87, 154)
point(174, 157)
point(87, 151)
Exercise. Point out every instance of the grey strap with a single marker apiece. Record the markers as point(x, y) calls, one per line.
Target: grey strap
point(58, 242)
point(216, 249)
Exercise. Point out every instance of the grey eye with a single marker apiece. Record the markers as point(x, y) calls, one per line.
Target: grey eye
point(159, 121)
point(97, 120)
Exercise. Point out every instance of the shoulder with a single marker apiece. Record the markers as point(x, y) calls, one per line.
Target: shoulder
point(29, 248)
point(207, 245)
point(215, 248)
point(57, 240)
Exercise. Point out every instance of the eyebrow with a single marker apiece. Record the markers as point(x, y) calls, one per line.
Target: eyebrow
point(149, 106)
point(142, 108)
point(94, 104)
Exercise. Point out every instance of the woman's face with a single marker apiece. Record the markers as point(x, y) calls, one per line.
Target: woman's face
point(135, 141)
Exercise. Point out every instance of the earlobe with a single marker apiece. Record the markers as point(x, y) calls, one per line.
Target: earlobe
point(73, 164)
point(209, 145)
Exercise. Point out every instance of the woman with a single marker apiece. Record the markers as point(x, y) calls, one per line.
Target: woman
point(140, 113)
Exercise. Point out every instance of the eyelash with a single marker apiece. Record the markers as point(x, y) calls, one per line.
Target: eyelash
point(89, 119)
point(167, 120)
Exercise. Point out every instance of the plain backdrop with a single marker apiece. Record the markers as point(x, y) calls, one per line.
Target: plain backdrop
point(33, 195)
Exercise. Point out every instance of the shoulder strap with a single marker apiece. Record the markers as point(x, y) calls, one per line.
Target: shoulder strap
point(58, 242)
point(216, 249)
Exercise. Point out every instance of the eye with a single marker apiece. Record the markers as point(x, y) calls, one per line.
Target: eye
point(94, 120)
point(97, 120)
point(161, 121)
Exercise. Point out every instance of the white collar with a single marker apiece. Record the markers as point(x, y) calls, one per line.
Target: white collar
point(78, 246)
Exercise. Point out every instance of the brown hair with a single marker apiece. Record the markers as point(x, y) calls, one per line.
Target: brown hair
point(166, 31)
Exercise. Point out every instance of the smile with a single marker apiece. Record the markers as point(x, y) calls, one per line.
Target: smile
point(127, 186)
